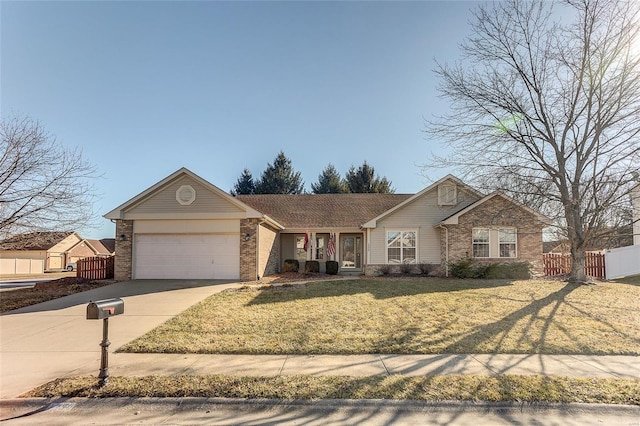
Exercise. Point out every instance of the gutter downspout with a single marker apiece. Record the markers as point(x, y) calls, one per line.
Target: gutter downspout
point(446, 249)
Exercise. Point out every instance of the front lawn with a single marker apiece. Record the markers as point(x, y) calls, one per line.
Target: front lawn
point(408, 316)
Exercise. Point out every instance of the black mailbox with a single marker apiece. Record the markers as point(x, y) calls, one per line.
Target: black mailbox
point(103, 309)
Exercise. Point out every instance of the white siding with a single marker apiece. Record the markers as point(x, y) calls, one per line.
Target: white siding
point(422, 214)
point(165, 201)
point(186, 226)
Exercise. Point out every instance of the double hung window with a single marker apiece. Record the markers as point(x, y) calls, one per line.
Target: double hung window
point(494, 243)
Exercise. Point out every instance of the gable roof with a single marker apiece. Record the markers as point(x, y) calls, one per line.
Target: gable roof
point(323, 210)
point(117, 213)
point(98, 247)
point(36, 241)
point(372, 222)
point(453, 219)
point(109, 244)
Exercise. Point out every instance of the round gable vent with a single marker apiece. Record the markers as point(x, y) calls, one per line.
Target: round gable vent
point(185, 195)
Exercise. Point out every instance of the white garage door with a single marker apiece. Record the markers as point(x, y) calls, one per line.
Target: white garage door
point(199, 256)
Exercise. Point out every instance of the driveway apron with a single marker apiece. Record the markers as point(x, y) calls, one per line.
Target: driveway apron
point(54, 339)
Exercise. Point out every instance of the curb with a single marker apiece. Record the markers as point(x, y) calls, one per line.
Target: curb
point(24, 407)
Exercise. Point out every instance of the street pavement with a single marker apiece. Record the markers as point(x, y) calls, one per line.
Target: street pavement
point(54, 339)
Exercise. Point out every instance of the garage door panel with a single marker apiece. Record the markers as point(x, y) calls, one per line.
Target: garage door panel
point(206, 256)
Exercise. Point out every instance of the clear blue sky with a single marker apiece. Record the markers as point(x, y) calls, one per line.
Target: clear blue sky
point(148, 87)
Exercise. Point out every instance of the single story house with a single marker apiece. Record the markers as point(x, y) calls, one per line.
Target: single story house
point(38, 252)
point(185, 227)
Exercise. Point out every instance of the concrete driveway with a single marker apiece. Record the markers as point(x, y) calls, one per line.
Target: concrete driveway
point(54, 339)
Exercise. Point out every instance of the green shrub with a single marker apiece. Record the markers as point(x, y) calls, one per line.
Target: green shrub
point(291, 265)
point(311, 266)
point(384, 269)
point(466, 268)
point(462, 268)
point(406, 268)
point(425, 268)
point(332, 267)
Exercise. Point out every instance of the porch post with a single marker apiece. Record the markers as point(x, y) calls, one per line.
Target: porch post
point(337, 254)
point(313, 246)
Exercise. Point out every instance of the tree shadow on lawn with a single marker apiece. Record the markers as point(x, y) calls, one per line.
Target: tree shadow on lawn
point(380, 289)
point(533, 311)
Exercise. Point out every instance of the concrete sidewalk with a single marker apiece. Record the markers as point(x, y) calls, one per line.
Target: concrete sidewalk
point(53, 340)
point(122, 364)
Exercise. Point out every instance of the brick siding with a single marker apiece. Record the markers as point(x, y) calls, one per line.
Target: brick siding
point(497, 212)
point(124, 254)
point(248, 258)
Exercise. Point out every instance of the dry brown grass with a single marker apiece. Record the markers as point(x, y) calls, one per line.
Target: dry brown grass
point(42, 292)
point(430, 388)
point(408, 316)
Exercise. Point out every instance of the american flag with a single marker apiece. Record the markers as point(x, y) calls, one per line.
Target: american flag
point(331, 247)
point(306, 241)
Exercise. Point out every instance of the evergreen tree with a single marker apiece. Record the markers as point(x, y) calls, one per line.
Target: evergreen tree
point(364, 180)
point(280, 178)
point(329, 182)
point(244, 185)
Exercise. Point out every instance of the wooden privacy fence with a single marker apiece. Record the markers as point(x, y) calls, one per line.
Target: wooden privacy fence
point(95, 268)
point(560, 264)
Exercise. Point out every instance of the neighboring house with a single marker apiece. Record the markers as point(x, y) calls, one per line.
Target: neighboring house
point(186, 227)
point(39, 252)
point(99, 249)
point(110, 245)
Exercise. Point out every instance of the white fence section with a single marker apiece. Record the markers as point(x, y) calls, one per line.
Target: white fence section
point(13, 266)
point(623, 261)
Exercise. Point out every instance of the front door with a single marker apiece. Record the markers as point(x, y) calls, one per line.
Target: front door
point(351, 252)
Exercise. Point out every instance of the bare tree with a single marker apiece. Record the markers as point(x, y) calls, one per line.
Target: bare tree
point(43, 185)
point(548, 111)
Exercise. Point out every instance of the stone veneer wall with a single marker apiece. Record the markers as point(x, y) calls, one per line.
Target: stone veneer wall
point(497, 212)
point(376, 270)
point(124, 254)
point(248, 258)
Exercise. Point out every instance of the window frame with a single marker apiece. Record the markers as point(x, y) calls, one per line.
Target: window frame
point(484, 244)
point(320, 248)
point(513, 231)
point(402, 247)
point(495, 242)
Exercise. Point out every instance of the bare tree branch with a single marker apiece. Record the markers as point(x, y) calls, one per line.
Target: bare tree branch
point(43, 185)
point(549, 112)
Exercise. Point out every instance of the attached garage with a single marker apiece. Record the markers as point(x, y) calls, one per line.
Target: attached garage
point(186, 256)
point(183, 227)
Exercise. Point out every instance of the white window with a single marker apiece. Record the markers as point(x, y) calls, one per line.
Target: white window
point(401, 246)
point(320, 248)
point(507, 241)
point(447, 194)
point(481, 242)
point(494, 243)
